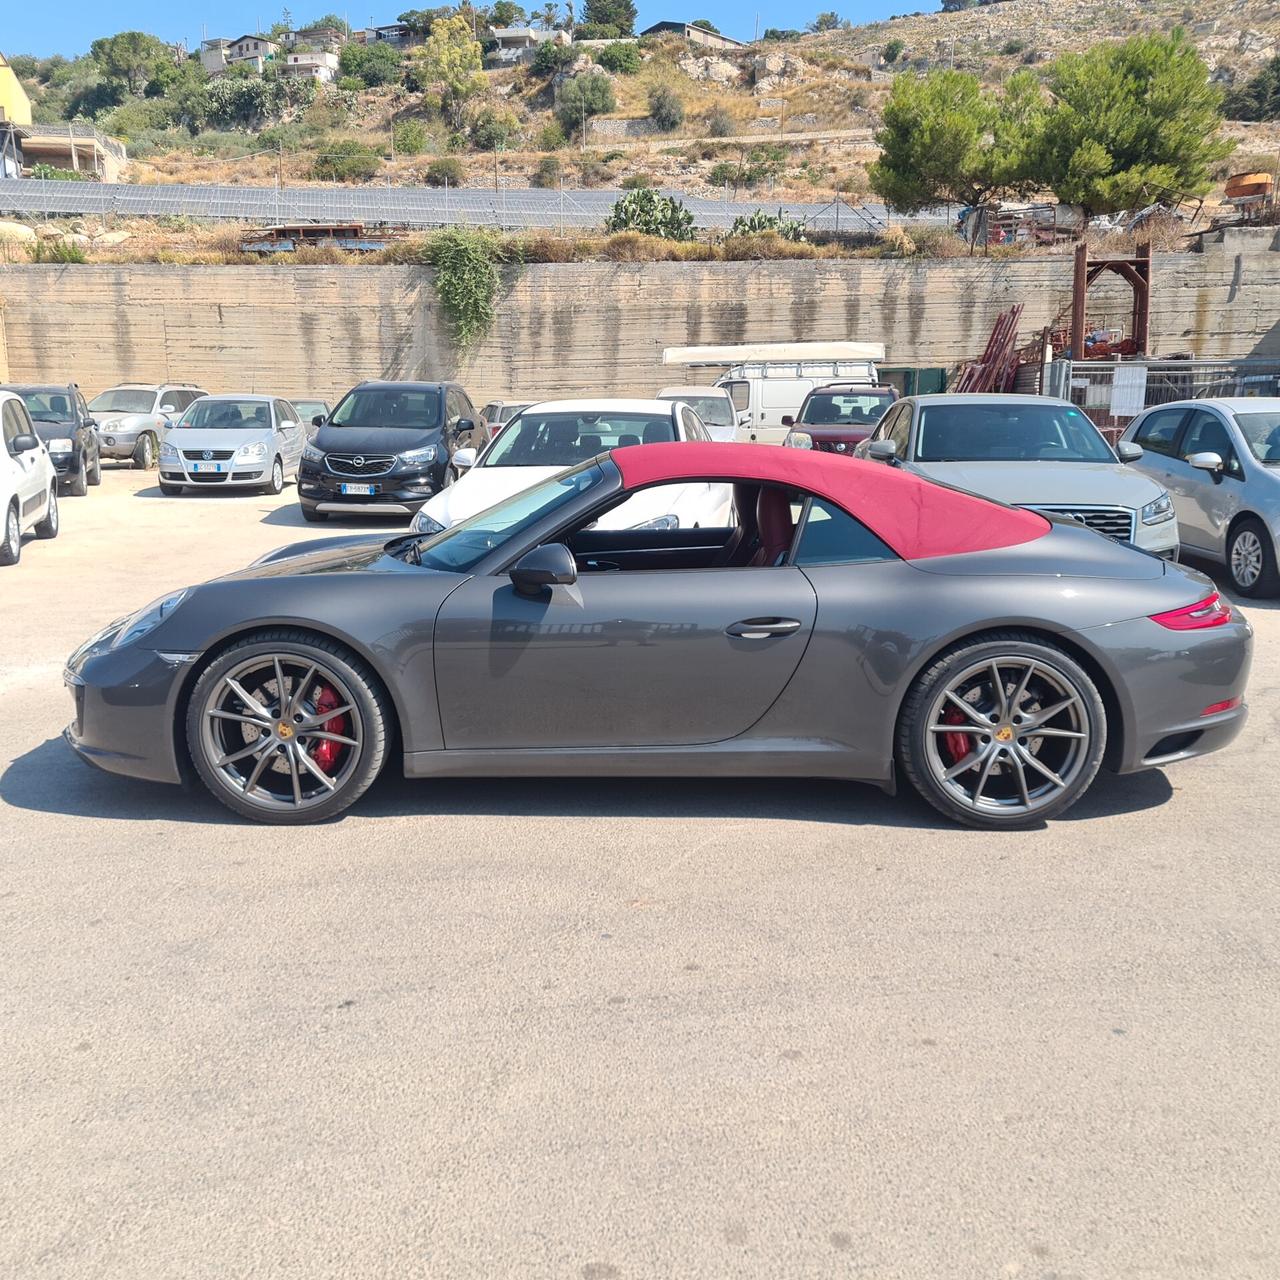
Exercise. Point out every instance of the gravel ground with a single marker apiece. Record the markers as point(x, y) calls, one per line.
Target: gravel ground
point(616, 1029)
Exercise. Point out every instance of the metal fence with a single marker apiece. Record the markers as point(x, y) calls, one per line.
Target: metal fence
point(1113, 392)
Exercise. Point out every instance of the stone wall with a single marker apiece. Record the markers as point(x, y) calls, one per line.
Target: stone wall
point(589, 327)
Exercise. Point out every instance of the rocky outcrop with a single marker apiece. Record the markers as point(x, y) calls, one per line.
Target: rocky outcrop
point(710, 70)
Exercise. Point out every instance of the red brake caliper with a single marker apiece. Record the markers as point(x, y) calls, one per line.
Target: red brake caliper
point(958, 745)
point(324, 752)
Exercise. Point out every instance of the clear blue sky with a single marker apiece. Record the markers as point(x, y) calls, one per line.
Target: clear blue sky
point(68, 27)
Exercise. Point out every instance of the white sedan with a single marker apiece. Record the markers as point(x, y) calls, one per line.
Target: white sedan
point(547, 438)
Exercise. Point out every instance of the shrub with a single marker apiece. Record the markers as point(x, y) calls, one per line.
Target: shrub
point(893, 50)
point(61, 251)
point(636, 182)
point(596, 31)
point(370, 64)
point(350, 84)
point(551, 137)
point(665, 108)
point(445, 170)
point(410, 137)
point(551, 57)
point(593, 170)
point(492, 129)
point(624, 59)
point(765, 245)
point(584, 97)
point(1010, 47)
point(346, 160)
point(548, 173)
point(466, 278)
point(51, 173)
point(652, 214)
point(719, 123)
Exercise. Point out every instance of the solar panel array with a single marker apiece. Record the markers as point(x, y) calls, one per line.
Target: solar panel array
point(505, 208)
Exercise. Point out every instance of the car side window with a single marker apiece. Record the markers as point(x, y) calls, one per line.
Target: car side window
point(1207, 433)
point(453, 408)
point(900, 430)
point(1159, 432)
point(693, 428)
point(284, 413)
point(829, 535)
point(12, 425)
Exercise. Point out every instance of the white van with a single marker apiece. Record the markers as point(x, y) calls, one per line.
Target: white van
point(768, 381)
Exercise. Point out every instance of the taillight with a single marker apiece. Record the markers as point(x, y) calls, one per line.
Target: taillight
point(1212, 611)
point(1214, 708)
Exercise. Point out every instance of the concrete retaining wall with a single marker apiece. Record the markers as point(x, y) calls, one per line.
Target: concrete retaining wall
point(587, 327)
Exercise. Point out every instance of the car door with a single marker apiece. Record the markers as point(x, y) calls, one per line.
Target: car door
point(291, 435)
point(645, 658)
point(1206, 501)
point(32, 487)
point(1158, 433)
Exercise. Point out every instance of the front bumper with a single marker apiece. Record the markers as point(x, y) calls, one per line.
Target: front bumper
point(246, 473)
point(398, 492)
point(1160, 539)
point(65, 464)
point(126, 704)
point(120, 440)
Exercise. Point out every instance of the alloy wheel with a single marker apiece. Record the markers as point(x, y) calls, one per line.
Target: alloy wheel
point(12, 545)
point(282, 731)
point(1246, 558)
point(1007, 736)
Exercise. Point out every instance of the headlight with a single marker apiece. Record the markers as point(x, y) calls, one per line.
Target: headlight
point(148, 619)
point(251, 452)
point(311, 454)
point(798, 440)
point(168, 453)
point(1159, 511)
point(661, 522)
point(61, 445)
point(417, 456)
point(423, 523)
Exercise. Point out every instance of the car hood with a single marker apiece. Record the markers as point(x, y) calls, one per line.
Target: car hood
point(1106, 484)
point(481, 488)
point(55, 430)
point(213, 438)
point(374, 440)
point(855, 432)
point(349, 554)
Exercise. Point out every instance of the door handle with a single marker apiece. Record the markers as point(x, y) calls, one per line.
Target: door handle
point(762, 628)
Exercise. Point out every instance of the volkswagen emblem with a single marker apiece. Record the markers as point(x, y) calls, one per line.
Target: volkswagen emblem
point(358, 460)
point(207, 455)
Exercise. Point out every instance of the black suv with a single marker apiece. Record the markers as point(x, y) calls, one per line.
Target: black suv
point(62, 420)
point(386, 449)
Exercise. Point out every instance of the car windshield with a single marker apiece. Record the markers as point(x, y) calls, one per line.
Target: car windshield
point(123, 400)
point(48, 406)
point(227, 415)
point(509, 411)
point(715, 411)
point(417, 408)
point(311, 409)
point(1261, 433)
point(565, 439)
point(461, 547)
point(1008, 433)
point(845, 408)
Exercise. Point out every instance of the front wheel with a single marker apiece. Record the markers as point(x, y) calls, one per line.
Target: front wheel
point(288, 728)
point(172, 490)
point(48, 527)
point(11, 547)
point(312, 516)
point(276, 483)
point(1003, 731)
point(79, 484)
point(1251, 559)
point(95, 472)
point(144, 454)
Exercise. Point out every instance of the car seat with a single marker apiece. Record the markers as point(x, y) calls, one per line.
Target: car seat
point(657, 433)
point(590, 445)
point(626, 441)
point(773, 520)
point(58, 404)
point(742, 541)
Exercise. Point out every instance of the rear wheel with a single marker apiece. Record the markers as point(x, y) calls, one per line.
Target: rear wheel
point(1003, 731)
point(144, 453)
point(48, 527)
point(79, 483)
point(288, 728)
point(1251, 560)
point(11, 547)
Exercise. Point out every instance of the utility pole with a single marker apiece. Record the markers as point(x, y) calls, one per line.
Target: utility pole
point(582, 106)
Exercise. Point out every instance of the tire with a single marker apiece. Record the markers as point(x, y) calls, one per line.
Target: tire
point(144, 453)
point(1251, 560)
point(79, 484)
point(172, 490)
point(95, 473)
point(275, 485)
point(48, 527)
point(312, 516)
point(11, 546)
point(1016, 778)
point(270, 783)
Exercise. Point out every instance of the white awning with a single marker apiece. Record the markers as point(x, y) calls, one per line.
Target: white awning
point(782, 351)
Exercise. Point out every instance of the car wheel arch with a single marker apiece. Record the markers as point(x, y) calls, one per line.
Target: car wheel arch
point(1118, 720)
point(1240, 517)
point(304, 627)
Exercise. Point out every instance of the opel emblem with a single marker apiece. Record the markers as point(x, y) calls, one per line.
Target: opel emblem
point(358, 460)
point(207, 454)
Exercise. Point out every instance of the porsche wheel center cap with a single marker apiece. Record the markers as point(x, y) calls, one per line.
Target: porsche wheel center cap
point(284, 731)
point(1004, 733)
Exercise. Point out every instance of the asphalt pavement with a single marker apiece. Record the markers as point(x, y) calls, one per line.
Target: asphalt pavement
point(615, 1029)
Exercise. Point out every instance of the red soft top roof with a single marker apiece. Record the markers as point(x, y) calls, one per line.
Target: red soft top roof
point(916, 517)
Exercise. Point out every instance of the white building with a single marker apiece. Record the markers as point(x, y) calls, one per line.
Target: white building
point(519, 44)
point(253, 51)
point(318, 64)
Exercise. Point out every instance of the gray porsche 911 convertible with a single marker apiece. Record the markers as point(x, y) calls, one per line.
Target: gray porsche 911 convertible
point(855, 622)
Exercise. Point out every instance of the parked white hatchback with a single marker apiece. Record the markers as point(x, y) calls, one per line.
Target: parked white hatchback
point(547, 438)
point(246, 441)
point(28, 480)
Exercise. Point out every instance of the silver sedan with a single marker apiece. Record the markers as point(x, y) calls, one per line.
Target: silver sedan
point(1220, 462)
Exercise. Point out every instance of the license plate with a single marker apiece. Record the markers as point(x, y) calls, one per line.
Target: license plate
point(206, 466)
point(364, 489)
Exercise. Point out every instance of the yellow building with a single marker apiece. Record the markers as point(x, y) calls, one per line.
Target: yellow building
point(15, 106)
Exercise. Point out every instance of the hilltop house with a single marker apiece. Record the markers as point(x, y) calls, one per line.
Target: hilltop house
point(694, 34)
point(326, 38)
point(519, 44)
point(318, 64)
point(253, 51)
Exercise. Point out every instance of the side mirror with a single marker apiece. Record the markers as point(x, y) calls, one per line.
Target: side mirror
point(550, 565)
point(788, 420)
point(466, 425)
point(883, 451)
point(798, 440)
point(744, 418)
point(1205, 461)
point(91, 423)
point(1127, 451)
point(318, 420)
point(464, 458)
point(24, 444)
point(168, 408)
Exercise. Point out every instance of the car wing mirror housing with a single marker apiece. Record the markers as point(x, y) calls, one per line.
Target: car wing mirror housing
point(883, 451)
point(318, 420)
point(1205, 461)
point(25, 443)
point(550, 565)
point(1127, 451)
point(465, 425)
point(788, 420)
point(464, 458)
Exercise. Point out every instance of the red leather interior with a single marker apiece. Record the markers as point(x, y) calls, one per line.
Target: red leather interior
point(773, 518)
